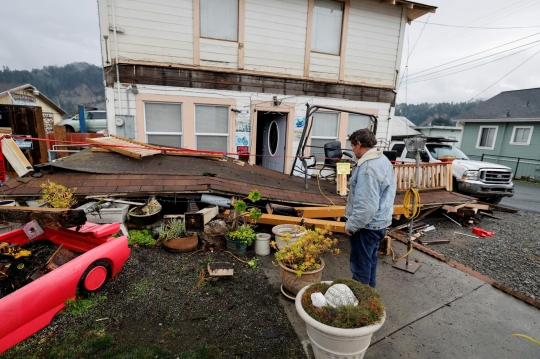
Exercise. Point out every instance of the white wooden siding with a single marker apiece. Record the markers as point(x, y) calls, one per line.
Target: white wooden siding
point(372, 43)
point(324, 66)
point(219, 53)
point(275, 36)
point(154, 30)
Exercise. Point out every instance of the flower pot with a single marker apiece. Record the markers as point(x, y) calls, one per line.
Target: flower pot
point(235, 247)
point(182, 244)
point(293, 283)
point(262, 244)
point(143, 219)
point(331, 342)
point(294, 230)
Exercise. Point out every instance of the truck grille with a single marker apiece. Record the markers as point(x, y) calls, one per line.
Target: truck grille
point(494, 176)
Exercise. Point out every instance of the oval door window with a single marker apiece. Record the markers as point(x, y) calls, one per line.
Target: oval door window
point(273, 138)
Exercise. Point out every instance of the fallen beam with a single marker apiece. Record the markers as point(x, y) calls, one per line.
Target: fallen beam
point(320, 212)
point(54, 218)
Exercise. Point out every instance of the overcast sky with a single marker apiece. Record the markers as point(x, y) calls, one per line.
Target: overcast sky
point(37, 33)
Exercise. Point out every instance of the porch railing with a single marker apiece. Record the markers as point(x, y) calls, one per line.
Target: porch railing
point(432, 176)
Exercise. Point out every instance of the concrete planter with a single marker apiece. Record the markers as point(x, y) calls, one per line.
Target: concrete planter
point(336, 343)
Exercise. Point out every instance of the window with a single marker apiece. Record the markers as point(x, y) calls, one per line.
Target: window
point(325, 129)
point(521, 135)
point(212, 128)
point(163, 123)
point(326, 30)
point(356, 122)
point(398, 147)
point(486, 137)
point(219, 19)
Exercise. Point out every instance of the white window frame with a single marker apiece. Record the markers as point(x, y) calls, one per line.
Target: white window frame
point(531, 128)
point(165, 133)
point(212, 134)
point(218, 38)
point(330, 138)
point(480, 137)
point(340, 33)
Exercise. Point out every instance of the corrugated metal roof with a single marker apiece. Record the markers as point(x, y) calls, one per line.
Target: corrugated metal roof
point(401, 126)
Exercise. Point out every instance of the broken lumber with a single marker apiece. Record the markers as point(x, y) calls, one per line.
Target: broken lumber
point(488, 215)
point(281, 209)
point(126, 146)
point(195, 221)
point(501, 208)
point(54, 218)
point(320, 212)
point(15, 157)
point(427, 241)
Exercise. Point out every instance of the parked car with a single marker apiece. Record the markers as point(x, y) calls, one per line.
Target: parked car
point(96, 120)
point(32, 307)
point(489, 182)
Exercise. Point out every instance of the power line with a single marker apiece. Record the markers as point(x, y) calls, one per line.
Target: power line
point(482, 58)
point(410, 53)
point(478, 53)
point(470, 68)
point(517, 67)
point(479, 27)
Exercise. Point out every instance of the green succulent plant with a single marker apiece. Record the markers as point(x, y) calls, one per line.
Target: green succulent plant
point(176, 228)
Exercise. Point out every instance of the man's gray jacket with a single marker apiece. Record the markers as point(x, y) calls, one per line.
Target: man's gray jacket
point(372, 191)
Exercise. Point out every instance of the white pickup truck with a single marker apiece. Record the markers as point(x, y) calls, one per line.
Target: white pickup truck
point(489, 182)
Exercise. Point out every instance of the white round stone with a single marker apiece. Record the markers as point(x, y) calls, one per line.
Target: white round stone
point(340, 294)
point(318, 300)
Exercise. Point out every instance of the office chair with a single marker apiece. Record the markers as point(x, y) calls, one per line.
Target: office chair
point(332, 155)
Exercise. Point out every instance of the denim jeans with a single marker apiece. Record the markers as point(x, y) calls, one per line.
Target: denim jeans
point(363, 262)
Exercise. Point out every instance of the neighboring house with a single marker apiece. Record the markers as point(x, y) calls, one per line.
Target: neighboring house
point(235, 75)
point(505, 129)
point(451, 133)
point(28, 95)
point(402, 126)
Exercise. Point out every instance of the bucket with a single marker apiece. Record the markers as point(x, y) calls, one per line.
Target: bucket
point(262, 244)
point(294, 230)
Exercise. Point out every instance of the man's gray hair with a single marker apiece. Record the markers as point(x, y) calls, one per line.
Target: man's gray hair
point(364, 136)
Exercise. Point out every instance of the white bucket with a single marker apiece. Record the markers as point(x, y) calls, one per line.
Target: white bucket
point(293, 229)
point(262, 244)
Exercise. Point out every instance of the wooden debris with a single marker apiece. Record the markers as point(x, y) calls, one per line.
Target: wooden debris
point(320, 212)
point(46, 217)
point(385, 248)
point(488, 215)
point(195, 221)
point(281, 209)
point(220, 269)
point(16, 157)
point(125, 146)
point(115, 200)
point(239, 163)
point(501, 208)
point(428, 241)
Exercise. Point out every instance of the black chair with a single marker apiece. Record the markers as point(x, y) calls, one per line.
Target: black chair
point(391, 155)
point(333, 154)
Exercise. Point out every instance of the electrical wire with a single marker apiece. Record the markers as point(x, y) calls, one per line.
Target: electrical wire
point(414, 46)
point(479, 27)
point(518, 66)
point(411, 211)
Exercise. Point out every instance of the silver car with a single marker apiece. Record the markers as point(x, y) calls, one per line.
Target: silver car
point(96, 120)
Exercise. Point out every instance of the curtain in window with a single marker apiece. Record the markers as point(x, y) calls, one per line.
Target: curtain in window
point(356, 122)
point(212, 127)
point(522, 135)
point(486, 139)
point(326, 31)
point(163, 123)
point(219, 19)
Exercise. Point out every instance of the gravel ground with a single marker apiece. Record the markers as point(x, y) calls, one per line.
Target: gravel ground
point(511, 257)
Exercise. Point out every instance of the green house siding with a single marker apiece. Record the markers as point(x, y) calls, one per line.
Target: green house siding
point(503, 149)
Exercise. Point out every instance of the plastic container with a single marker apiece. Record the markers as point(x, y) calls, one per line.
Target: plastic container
point(280, 229)
point(115, 212)
point(262, 244)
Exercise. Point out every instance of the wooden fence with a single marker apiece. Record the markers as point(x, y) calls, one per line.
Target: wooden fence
point(432, 176)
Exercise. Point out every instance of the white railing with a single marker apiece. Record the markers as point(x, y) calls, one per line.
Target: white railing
point(432, 176)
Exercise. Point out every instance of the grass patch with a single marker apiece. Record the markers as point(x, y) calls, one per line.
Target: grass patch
point(80, 305)
point(141, 237)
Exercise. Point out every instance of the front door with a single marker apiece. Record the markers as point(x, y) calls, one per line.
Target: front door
point(273, 151)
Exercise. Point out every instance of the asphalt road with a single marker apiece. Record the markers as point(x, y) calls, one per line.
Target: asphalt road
point(526, 197)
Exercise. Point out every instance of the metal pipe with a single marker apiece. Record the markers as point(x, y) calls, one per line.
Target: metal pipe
point(116, 61)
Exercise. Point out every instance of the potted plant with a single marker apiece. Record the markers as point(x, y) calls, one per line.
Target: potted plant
point(239, 236)
point(57, 196)
point(300, 260)
point(147, 214)
point(174, 237)
point(342, 331)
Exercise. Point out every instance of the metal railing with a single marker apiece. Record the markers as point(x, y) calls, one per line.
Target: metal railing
point(522, 168)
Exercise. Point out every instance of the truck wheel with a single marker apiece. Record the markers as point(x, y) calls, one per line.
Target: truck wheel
point(493, 200)
point(69, 129)
point(94, 278)
point(454, 185)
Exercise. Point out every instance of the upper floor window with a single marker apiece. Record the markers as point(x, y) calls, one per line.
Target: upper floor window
point(521, 135)
point(219, 19)
point(487, 137)
point(327, 22)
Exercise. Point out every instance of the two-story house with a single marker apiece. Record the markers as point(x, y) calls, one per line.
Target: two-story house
point(235, 75)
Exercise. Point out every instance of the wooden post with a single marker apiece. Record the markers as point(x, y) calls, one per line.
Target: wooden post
point(60, 135)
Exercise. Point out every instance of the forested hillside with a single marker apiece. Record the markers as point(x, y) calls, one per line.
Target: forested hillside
point(438, 113)
point(69, 85)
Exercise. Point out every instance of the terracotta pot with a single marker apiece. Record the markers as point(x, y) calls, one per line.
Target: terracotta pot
point(293, 283)
point(184, 244)
point(331, 342)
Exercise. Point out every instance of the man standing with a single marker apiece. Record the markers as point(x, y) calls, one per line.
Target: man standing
point(369, 206)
